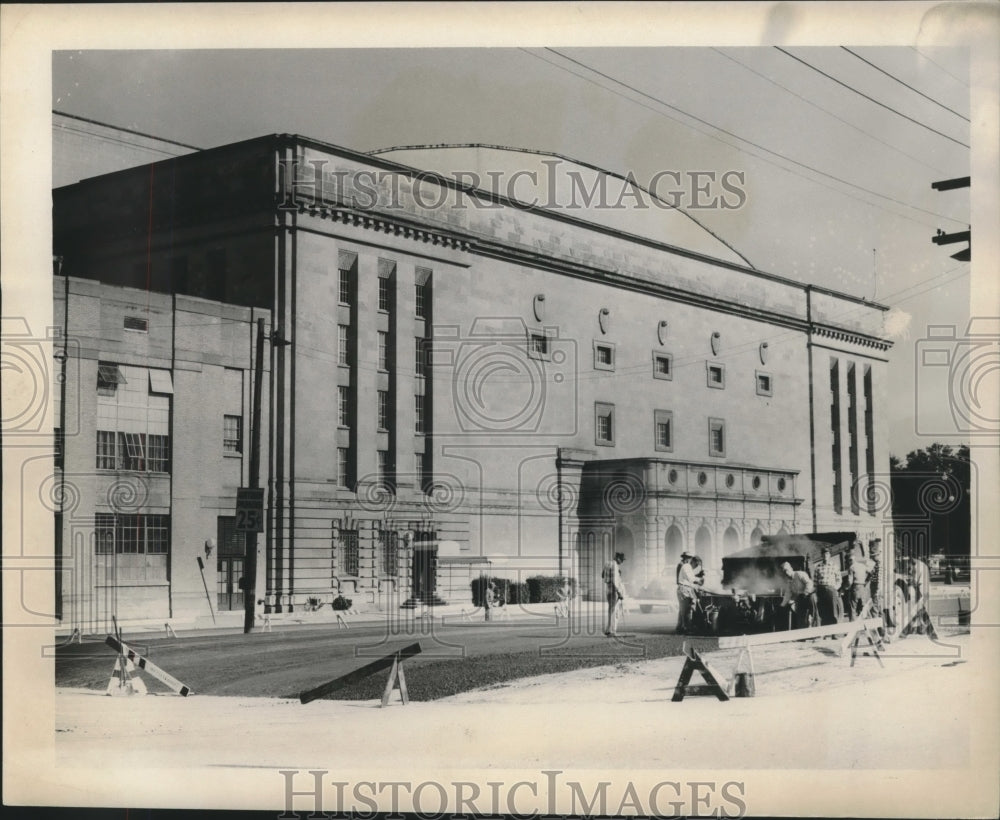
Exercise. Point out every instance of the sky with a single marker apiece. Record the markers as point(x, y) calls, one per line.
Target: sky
point(839, 146)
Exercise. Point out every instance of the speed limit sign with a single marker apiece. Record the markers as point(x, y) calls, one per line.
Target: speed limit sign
point(250, 509)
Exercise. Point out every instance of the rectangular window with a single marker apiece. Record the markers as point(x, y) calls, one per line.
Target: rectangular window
point(716, 437)
point(157, 534)
point(420, 356)
point(104, 533)
point(343, 345)
point(869, 441)
point(663, 365)
point(716, 375)
point(838, 496)
point(342, 456)
point(384, 293)
point(423, 462)
point(106, 457)
point(158, 453)
point(604, 356)
point(420, 299)
point(136, 323)
point(663, 432)
point(109, 376)
point(383, 409)
point(350, 559)
point(763, 384)
point(604, 424)
point(539, 346)
point(382, 466)
point(388, 542)
point(130, 535)
point(59, 444)
point(134, 447)
point(343, 406)
point(232, 434)
point(419, 420)
point(383, 350)
point(347, 265)
point(232, 542)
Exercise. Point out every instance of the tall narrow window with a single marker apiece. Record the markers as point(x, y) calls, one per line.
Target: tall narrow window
point(342, 456)
point(420, 422)
point(663, 430)
point(343, 345)
point(422, 460)
point(852, 431)
point(350, 558)
point(869, 441)
point(347, 266)
point(383, 409)
point(420, 300)
point(343, 406)
point(388, 542)
point(838, 499)
point(384, 291)
point(382, 464)
point(420, 356)
point(604, 424)
point(232, 434)
point(716, 437)
point(383, 350)
point(104, 533)
point(106, 456)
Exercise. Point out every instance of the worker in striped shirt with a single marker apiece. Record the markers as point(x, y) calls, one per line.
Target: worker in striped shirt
point(828, 580)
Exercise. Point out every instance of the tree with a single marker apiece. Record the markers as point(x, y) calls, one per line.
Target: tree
point(931, 507)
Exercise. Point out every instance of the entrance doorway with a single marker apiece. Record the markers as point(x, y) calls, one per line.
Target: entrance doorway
point(229, 566)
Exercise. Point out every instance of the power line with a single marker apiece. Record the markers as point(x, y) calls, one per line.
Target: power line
point(807, 101)
point(871, 99)
point(749, 142)
point(901, 82)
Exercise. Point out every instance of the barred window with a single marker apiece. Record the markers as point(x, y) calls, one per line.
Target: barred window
point(388, 541)
point(232, 434)
point(349, 554)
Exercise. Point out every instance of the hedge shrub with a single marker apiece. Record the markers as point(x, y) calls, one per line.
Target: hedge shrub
point(538, 589)
point(544, 589)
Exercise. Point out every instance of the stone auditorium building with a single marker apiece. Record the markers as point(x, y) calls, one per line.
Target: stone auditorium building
point(473, 382)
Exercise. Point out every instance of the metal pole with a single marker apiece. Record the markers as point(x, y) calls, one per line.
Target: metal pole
point(250, 567)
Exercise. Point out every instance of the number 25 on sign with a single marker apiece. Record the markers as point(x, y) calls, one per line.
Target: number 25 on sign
point(250, 509)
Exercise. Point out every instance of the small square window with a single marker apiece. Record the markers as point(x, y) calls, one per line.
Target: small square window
point(716, 437)
point(539, 345)
point(663, 366)
point(763, 384)
point(716, 375)
point(604, 424)
point(663, 431)
point(604, 356)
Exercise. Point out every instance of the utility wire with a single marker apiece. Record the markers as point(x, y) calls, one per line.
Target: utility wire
point(871, 99)
point(902, 82)
point(807, 101)
point(754, 144)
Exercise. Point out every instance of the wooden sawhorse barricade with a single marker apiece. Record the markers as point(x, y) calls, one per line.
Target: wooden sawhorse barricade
point(394, 660)
point(742, 682)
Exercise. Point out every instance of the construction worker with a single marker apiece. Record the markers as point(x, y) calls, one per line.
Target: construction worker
point(798, 597)
point(615, 590)
point(857, 586)
point(827, 578)
point(687, 582)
